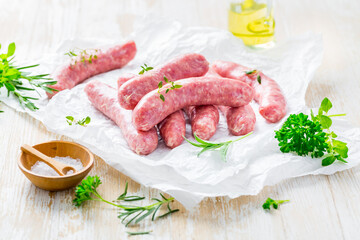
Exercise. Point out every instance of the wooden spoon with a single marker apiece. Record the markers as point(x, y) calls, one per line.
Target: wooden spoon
point(60, 168)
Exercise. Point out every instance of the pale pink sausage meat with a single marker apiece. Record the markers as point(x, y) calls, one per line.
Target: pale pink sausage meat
point(189, 65)
point(104, 98)
point(204, 120)
point(114, 58)
point(240, 120)
point(194, 91)
point(172, 129)
point(272, 103)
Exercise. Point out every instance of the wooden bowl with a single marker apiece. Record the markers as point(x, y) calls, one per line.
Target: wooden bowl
point(60, 149)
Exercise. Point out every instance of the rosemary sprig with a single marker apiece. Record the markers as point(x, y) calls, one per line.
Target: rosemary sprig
point(138, 233)
point(11, 77)
point(145, 68)
point(87, 191)
point(173, 86)
point(222, 146)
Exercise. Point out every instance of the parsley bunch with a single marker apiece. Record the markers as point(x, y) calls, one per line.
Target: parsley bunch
point(312, 136)
point(87, 191)
point(11, 78)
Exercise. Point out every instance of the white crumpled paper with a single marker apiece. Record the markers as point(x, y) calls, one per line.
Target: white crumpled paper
point(252, 163)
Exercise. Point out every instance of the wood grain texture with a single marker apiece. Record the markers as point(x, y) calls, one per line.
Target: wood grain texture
point(321, 207)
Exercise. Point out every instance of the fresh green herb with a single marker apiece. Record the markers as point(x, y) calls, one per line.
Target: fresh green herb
point(312, 136)
point(222, 146)
point(250, 72)
point(337, 150)
point(173, 86)
point(138, 213)
point(138, 233)
point(145, 68)
point(271, 202)
point(83, 122)
point(258, 78)
point(83, 55)
point(11, 77)
point(301, 135)
point(87, 191)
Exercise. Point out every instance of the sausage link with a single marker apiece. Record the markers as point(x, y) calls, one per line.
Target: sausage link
point(194, 91)
point(104, 98)
point(73, 74)
point(172, 129)
point(240, 120)
point(272, 103)
point(204, 120)
point(189, 65)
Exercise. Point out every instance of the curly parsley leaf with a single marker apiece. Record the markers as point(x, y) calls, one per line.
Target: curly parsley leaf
point(274, 203)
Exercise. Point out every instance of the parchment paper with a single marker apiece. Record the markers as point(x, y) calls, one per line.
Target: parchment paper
point(252, 163)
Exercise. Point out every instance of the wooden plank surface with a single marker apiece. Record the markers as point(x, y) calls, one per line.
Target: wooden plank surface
point(322, 207)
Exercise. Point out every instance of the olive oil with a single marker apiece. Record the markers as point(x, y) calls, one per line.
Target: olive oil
point(253, 22)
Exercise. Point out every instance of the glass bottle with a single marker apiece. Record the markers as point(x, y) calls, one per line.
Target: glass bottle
point(253, 22)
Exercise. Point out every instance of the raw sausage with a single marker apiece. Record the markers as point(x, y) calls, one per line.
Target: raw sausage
point(240, 120)
point(172, 129)
point(272, 103)
point(189, 65)
point(73, 74)
point(204, 120)
point(194, 91)
point(104, 98)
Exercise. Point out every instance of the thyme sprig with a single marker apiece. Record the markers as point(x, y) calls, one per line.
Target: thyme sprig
point(83, 122)
point(173, 86)
point(11, 77)
point(222, 146)
point(145, 68)
point(83, 55)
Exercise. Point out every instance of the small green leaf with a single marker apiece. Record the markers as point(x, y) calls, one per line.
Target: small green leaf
point(325, 121)
point(328, 160)
point(326, 105)
point(258, 79)
point(138, 233)
point(162, 97)
point(87, 120)
point(167, 90)
point(11, 49)
point(165, 79)
point(177, 86)
point(160, 84)
point(71, 118)
point(250, 72)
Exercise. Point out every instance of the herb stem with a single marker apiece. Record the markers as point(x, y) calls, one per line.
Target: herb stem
point(337, 115)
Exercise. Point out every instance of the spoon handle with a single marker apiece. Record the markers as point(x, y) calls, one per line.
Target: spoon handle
point(57, 166)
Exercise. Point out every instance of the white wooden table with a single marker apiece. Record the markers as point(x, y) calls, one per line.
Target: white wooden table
point(322, 207)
